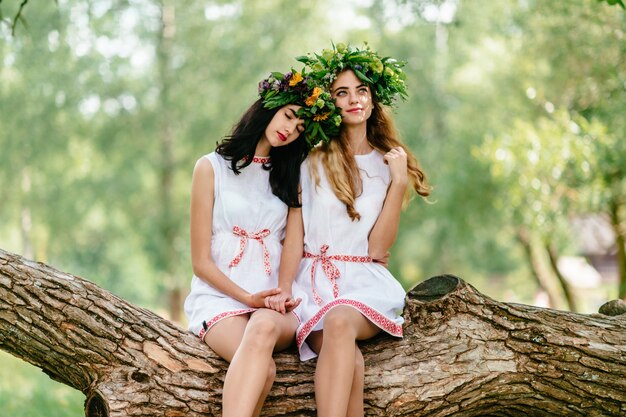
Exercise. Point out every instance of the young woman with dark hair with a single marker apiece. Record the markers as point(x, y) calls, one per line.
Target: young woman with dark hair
point(241, 146)
point(239, 202)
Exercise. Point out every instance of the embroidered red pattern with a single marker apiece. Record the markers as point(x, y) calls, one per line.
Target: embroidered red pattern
point(331, 271)
point(222, 316)
point(375, 316)
point(261, 159)
point(258, 236)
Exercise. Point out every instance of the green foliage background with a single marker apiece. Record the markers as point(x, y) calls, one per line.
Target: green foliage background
point(516, 112)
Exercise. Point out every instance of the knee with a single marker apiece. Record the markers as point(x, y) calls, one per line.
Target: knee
point(262, 331)
point(337, 324)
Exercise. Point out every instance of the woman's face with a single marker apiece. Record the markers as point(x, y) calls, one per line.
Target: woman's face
point(285, 126)
point(353, 97)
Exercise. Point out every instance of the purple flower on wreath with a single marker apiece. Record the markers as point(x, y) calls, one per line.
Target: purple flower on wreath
point(284, 85)
point(358, 67)
point(263, 86)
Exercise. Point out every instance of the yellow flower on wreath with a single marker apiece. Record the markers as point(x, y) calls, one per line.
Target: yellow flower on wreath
point(312, 99)
point(295, 79)
point(321, 117)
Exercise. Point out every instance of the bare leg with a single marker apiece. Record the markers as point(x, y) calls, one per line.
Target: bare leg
point(252, 370)
point(225, 336)
point(285, 339)
point(355, 402)
point(271, 375)
point(336, 365)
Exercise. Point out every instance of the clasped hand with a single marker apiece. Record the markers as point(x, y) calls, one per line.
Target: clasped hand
point(282, 302)
point(274, 299)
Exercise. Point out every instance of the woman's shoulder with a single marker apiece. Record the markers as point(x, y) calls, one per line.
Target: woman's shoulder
point(375, 156)
point(204, 164)
point(211, 162)
point(212, 158)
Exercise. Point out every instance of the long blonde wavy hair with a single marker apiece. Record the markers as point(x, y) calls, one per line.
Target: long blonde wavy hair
point(341, 168)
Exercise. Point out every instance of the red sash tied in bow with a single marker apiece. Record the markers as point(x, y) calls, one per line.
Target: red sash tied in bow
point(330, 270)
point(258, 236)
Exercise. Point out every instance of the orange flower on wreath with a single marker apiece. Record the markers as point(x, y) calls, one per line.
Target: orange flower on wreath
point(321, 117)
point(313, 97)
point(295, 79)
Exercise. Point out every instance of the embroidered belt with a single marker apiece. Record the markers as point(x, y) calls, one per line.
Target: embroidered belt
point(258, 236)
point(331, 271)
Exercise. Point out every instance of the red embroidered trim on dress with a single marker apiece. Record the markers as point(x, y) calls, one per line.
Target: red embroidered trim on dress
point(258, 236)
point(207, 324)
point(376, 317)
point(330, 269)
point(261, 159)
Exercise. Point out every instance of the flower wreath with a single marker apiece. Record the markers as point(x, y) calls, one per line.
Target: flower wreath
point(321, 117)
point(384, 75)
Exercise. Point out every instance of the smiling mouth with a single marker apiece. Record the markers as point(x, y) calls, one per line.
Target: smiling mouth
point(354, 110)
point(282, 137)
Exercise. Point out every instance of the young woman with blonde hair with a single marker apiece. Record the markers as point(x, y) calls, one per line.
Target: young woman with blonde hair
point(353, 189)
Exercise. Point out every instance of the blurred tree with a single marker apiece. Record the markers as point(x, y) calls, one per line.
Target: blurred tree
point(481, 64)
point(441, 40)
point(200, 80)
point(534, 161)
point(68, 133)
point(604, 185)
point(571, 60)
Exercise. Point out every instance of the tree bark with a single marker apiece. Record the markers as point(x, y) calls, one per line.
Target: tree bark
point(463, 354)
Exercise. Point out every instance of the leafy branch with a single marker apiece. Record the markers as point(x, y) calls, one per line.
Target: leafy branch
point(18, 17)
point(614, 2)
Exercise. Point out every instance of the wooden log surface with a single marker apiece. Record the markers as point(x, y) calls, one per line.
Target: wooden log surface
point(463, 354)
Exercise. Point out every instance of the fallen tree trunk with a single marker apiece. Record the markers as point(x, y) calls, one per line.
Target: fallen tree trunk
point(463, 354)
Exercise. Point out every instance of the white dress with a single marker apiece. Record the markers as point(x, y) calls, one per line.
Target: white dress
point(248, 228)
point(336, 269)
